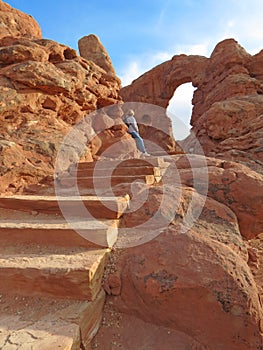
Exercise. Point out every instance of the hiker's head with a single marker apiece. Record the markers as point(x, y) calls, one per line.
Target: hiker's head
point(130, 112)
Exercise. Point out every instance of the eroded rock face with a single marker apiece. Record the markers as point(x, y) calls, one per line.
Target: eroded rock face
point(230, 183)
point(197, 282)
point(227, 103)
point(193, 284)
point(45, 89)
point(91, 48)
point(205, 282)
point(15, 23)
point(203, 286)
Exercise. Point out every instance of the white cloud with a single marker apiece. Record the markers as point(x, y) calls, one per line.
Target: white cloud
point(160, 57)
point(245, 25)
point(130, 72)
point(201, 49)
point(140, 64)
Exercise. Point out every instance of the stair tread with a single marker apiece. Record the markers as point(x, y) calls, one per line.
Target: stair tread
point(104, 182)
point(33, 270)
point(50, 257)
point(52, 229)
point(17, 334)
point(100, 207)
point(65, 198)
point(133, 162)
point(116, 172)
point(113, 177)
point(47, 323)
point(59, 224)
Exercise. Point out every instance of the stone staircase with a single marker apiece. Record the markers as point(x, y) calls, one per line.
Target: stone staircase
point(101, 175)
point(53, 255)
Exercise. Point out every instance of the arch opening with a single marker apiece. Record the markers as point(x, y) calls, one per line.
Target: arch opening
point(180, 110)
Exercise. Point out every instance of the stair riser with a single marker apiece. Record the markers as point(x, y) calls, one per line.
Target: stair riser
point(129, 163)
point(97, 209)
point(89, 182)
point(74, 284)
point(117, 172)
point(58, 238)
point(90, 320)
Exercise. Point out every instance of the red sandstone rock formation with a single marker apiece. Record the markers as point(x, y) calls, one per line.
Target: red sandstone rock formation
point(198, 284)
point(162, 282)
point(230, 183)
point(200, 289)
point(92, 49)
point(46, 88)
point(227, 103)
point(15, 23)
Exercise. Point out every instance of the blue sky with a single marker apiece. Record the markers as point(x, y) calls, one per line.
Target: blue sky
point(140, 34)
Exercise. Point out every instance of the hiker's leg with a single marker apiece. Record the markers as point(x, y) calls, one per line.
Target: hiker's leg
point(139, 141)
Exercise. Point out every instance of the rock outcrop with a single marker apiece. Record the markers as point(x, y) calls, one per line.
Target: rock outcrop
point(15, 23)
point(197, 283)
point(91, 48)
point(46, 88)
point(227, 103)
point(187, 268)
point(230, 183)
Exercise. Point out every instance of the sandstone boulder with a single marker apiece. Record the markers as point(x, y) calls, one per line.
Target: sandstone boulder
point(230, 183)
point(194, 285)
point(196, 282)
point(15, 23)
point(91, 48)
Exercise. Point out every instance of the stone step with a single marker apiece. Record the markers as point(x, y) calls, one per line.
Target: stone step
point(161, 153)
point(119, 171)
point(98, 207)
point(57, 232)
point(103, 182)
point(112, 163)
point(30, 270)
point(50, 324)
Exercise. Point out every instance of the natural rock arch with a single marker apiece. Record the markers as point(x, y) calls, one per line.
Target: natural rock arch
point(157, 87)
point(227, 101)
point(159, 84)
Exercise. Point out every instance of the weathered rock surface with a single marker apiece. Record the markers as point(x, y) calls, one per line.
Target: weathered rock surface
point(91, 48)
point(256, 261)
point(42, 323)
point(227, 103)
point(45, 89)
point(15, 23)
point(230, 183)
point(196, 286)
point(120, 330)
point(196, 282)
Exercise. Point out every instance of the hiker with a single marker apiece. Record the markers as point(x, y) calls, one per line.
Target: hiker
point(133, 130)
